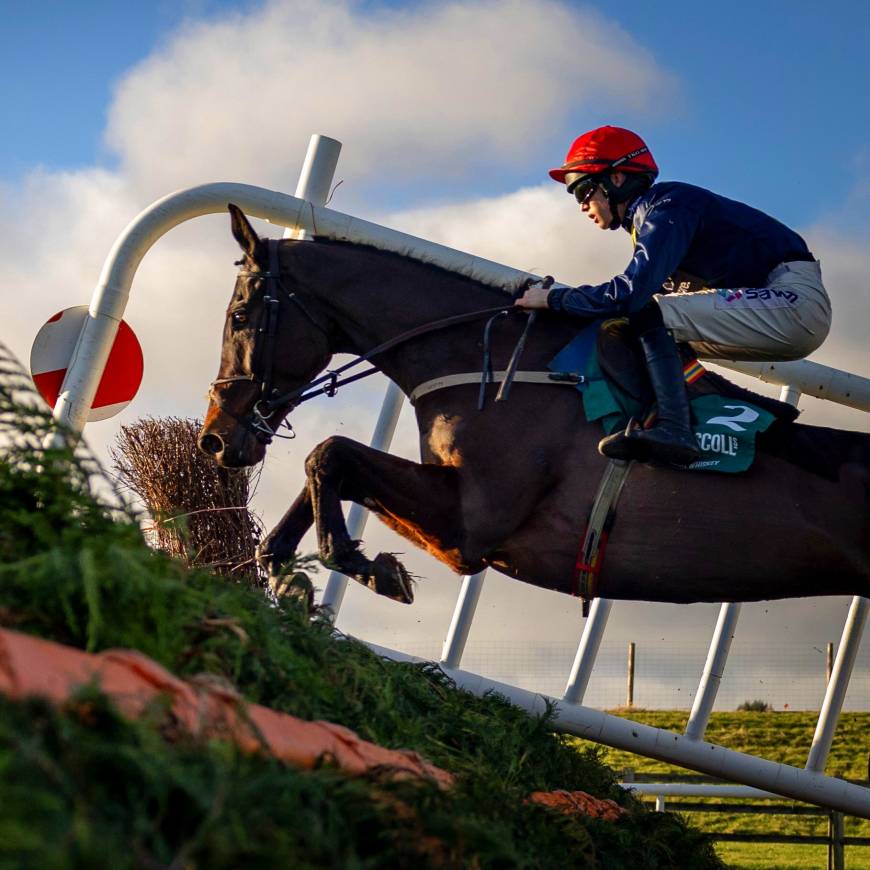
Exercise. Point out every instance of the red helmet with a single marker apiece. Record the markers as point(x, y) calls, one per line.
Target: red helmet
point(604, 149)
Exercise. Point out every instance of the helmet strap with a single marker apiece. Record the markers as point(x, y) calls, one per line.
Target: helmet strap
point(633, 186)
point(611, 191)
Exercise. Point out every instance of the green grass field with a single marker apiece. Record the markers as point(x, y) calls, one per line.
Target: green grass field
point(778, 736)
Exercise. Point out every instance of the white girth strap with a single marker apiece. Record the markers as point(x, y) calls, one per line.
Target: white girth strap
point(568, 379)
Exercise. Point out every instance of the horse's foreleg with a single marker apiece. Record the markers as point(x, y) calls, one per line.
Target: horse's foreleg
point(278, 548)
point(420, 501)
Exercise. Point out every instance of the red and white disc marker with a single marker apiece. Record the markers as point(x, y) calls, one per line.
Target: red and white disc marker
point(53, 349)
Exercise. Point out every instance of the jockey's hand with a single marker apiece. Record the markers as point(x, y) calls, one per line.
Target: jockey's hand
point(534, 297)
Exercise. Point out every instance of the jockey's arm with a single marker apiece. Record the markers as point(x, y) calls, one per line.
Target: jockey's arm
point(661, 243)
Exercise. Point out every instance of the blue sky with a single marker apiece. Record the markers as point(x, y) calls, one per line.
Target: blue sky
point(59, 63)
point(772, 108)
point(450, 115)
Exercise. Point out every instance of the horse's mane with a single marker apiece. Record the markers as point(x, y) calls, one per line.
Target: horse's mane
point(503, 293)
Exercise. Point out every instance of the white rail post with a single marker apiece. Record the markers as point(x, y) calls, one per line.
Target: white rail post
point(790, 394)
point(835, 692)
point(315, 179)
point(463, 615)
point(708, 688)
point(587, 650)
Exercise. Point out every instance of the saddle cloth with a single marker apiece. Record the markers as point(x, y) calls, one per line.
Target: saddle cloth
point(725, 418)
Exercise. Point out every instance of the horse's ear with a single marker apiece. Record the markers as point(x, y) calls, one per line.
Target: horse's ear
point(243, 232)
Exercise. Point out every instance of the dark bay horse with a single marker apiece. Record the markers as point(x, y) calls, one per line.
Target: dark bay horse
point(511, 486)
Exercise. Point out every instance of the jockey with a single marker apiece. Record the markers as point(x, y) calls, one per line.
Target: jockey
point(726, 278)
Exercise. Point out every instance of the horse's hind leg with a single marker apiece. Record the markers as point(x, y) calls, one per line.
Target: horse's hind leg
point(419, 501)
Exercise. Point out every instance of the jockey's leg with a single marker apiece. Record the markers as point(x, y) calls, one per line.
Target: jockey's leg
point(670, 440)
point(786, 319)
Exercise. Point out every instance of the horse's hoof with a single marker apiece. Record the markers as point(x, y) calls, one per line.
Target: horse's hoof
point(388, 577)
point(295, 586)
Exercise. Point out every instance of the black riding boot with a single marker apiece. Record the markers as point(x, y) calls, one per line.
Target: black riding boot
point(671, 439)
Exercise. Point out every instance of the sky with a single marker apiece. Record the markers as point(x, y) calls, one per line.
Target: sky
point(450, 115)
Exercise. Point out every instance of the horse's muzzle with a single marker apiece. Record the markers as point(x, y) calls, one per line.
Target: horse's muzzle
point(210, 444)
point(235, 449)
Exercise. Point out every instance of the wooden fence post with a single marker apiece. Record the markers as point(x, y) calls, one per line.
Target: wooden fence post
point(837, 851)
point(829, 663)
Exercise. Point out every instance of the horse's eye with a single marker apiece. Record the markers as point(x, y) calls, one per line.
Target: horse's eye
point(240, 318)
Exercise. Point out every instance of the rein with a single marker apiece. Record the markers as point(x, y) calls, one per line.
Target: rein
point(331, 380)
point(326, 384)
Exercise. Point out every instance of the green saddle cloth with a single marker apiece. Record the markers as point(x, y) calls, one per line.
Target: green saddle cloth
point(725, 428)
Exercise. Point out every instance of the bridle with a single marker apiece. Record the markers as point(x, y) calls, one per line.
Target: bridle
point(267, 402)
point(264, 354)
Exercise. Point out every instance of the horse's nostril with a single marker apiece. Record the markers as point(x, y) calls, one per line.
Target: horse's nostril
point(211, 444)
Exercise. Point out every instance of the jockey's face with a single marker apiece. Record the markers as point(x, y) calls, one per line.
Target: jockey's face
point(597, 208)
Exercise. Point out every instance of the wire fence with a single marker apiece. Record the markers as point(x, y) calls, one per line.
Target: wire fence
point(785, 676)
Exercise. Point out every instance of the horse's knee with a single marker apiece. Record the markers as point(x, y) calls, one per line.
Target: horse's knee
point(324, 457)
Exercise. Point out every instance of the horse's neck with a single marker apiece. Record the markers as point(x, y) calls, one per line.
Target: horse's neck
point(380, 297)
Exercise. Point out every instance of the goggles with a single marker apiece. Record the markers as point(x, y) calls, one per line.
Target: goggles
point(585, 189)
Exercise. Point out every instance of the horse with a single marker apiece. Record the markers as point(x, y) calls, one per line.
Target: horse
point(509, 487)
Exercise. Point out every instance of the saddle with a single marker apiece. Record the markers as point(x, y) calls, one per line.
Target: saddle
point(621, 361)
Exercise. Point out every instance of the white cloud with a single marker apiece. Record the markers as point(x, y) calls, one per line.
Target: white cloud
point(445, 89)
point(439, 89)
point(538, 229)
